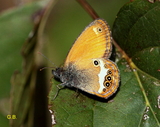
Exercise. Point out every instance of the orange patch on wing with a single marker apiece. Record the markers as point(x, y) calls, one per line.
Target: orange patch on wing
point(94, 42)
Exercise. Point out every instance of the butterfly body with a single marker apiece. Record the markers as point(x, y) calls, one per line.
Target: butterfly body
point(87, 66)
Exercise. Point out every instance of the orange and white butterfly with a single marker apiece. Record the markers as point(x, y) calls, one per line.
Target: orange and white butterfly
point(87, 66)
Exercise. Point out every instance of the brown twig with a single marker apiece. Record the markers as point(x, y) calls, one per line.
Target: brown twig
point(88, 8)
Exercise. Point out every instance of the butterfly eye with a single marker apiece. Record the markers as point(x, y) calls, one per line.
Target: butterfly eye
point(96, 63)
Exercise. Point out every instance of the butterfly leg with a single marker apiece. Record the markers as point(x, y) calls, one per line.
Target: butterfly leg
point(59, 87)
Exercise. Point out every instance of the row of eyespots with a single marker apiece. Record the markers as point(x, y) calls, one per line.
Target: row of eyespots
point(108, 79)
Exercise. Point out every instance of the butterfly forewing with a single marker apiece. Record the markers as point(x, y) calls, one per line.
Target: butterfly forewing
point(94, 42)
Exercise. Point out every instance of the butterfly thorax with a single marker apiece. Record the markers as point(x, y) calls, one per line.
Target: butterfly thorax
point(71, 77)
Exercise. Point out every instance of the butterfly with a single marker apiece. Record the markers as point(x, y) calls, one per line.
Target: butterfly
point(87, 66)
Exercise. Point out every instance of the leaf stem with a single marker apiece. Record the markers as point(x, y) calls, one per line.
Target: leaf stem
point(88, 8)
point(134, 69)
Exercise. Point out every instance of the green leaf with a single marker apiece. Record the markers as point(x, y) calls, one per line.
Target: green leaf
point(140, 23)
point(15, 25)
point(136, 30)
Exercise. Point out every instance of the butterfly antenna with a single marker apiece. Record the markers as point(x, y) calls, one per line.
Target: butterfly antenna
point(48, 60)
point(46, 68)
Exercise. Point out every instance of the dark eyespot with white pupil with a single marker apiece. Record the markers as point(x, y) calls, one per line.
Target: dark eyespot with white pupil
point(96, 62)
point(99, 29)
point(107, 84)
point(109, 72)
point(109, 78)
